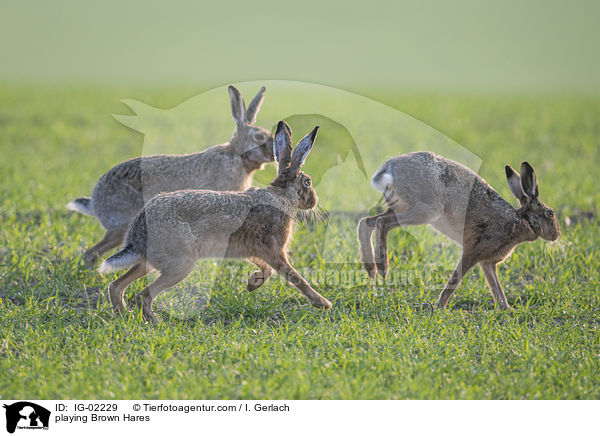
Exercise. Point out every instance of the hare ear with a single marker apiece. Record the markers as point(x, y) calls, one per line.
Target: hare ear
point(282, 145)
point(303, 148)
point(254, 106)
point(514, 183)
point(529, 181)
point(238, 107)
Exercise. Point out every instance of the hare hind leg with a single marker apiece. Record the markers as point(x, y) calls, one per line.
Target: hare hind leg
point(112, 238)
point(384, 224)
point(365, 229)
point(116, 289)
point(420, 213)
point(169, 276)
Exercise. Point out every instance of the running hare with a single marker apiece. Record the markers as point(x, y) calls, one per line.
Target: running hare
point(176, 229)
point(423, 188)
point(120, 193)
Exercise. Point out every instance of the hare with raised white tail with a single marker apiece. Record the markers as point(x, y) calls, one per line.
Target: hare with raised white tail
point(174, 230)
point(424, 188)
point(122, 191)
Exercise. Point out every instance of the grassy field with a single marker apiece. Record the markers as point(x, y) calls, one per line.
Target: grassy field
point(60, 339)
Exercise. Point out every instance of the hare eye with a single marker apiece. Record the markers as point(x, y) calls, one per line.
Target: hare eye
point(259, 137)
point(307, 182)
point(550, 213)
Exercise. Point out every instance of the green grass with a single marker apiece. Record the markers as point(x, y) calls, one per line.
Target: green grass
point(59, 338)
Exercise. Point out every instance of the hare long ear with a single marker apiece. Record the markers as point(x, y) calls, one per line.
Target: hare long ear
point(282, 145)
point(238, 107)
point(514, 183)
point(254, 106)
point(529, 181)
point(303, 148)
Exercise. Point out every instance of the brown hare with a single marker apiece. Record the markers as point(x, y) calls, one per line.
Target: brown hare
point(122, 191)
point(174, 230)
point(424, 188)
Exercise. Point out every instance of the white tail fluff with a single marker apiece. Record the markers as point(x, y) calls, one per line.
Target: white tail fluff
point(82, 205)
point(381, 180)
point(123, 259)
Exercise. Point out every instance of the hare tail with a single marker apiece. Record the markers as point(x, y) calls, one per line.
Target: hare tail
point(123, 259)
point(82, 205)
point(382, 179)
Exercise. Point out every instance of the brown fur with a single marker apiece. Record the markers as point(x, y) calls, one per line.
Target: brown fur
point(423, 188)
point(122, 191)
point(174, 230)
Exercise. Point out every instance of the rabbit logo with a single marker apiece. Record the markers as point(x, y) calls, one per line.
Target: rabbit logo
point(357, 134)
point(26, 415)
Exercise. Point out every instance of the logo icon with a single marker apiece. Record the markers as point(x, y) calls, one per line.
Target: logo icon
point(26, 415)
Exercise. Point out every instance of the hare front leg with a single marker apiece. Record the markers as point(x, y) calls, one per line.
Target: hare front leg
point(464, 264)
point(283, 267)
point(257, 278)
point(491, 275)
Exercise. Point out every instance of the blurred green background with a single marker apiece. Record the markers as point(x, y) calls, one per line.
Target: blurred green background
point(464, 45)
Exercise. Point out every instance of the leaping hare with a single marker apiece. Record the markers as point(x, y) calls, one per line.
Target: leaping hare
point(424, 188)
point(174, 230)
point(121, 192)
